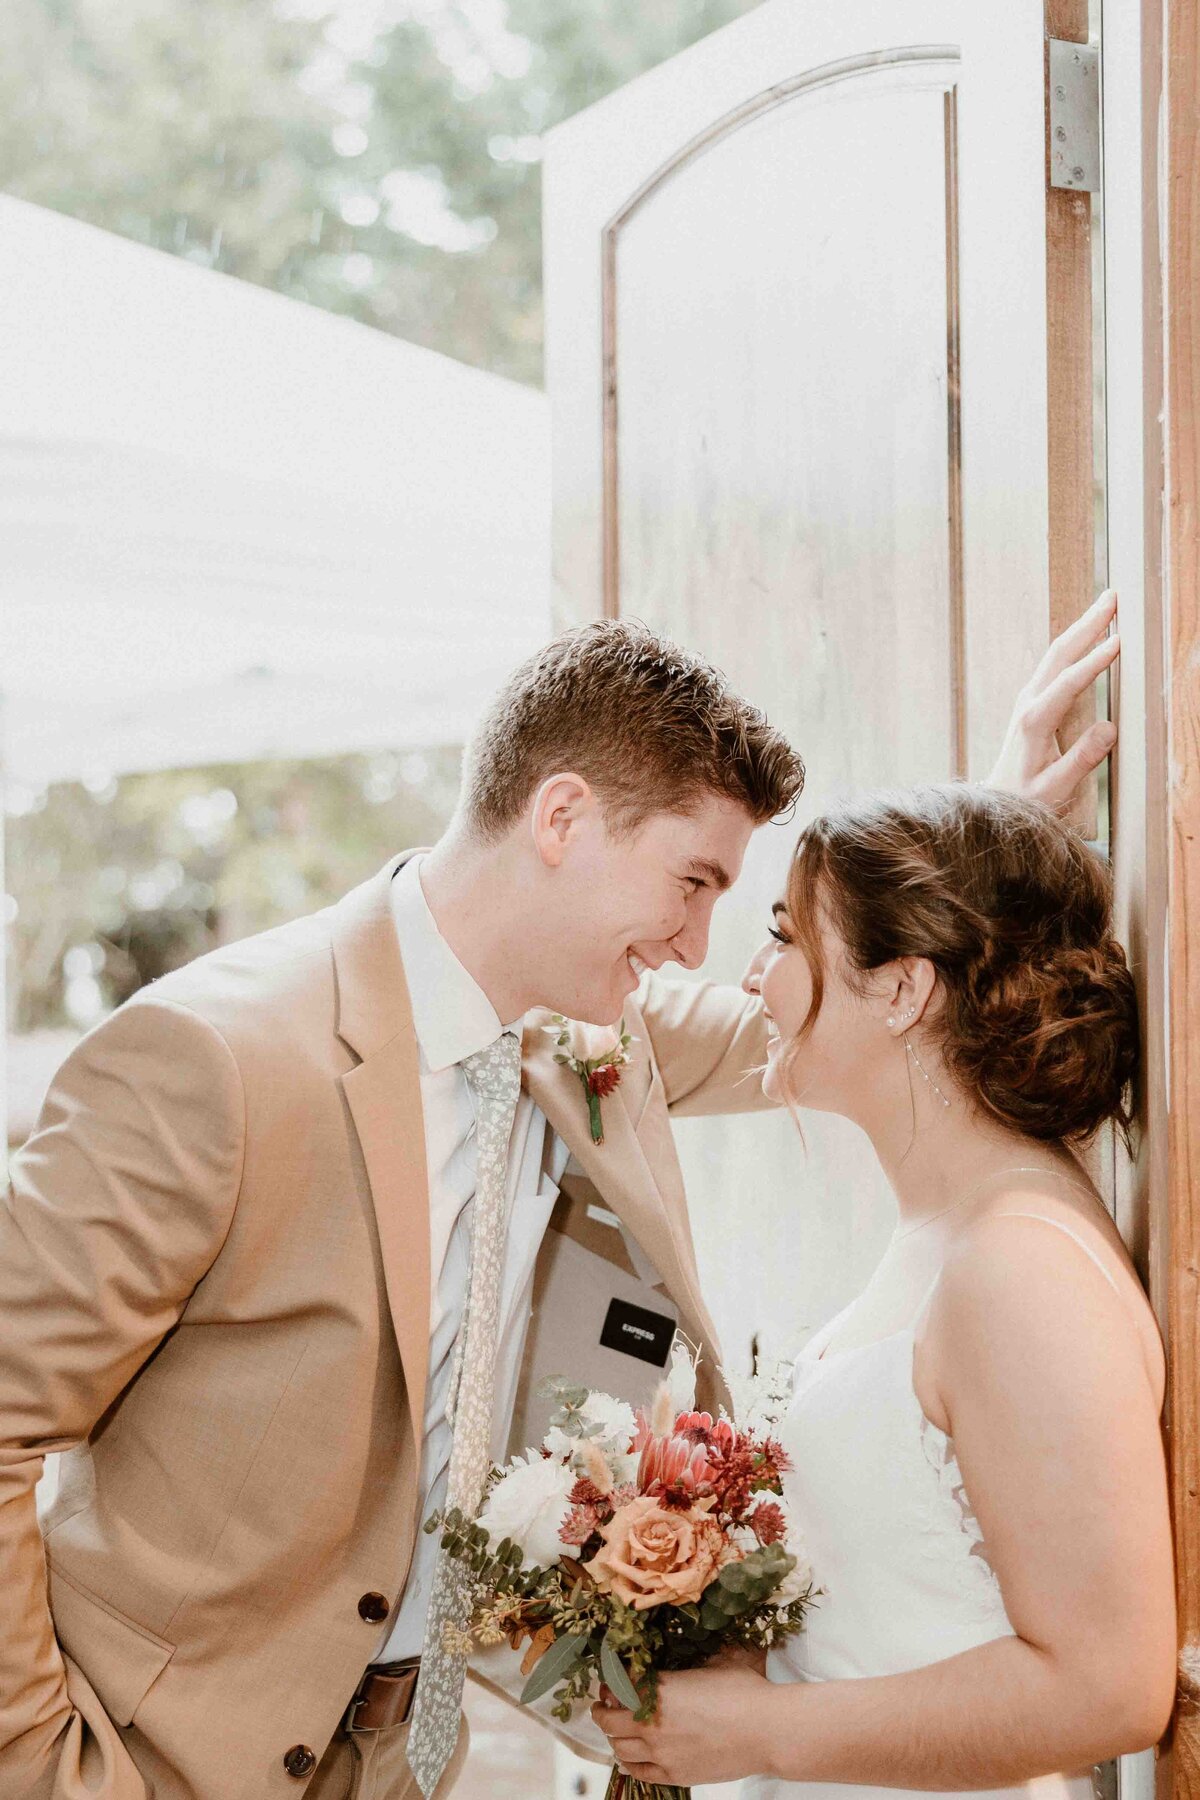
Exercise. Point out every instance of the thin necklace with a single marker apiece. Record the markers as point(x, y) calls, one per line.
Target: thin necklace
point(1021, 1169)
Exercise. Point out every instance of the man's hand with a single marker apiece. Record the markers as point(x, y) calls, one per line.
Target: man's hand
point(1030, 762)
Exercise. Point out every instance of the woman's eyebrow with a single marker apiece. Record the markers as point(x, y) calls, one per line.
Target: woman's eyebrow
point(780, 906)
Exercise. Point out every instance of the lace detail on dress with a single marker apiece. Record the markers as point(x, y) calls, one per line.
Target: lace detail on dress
point(950, 1523)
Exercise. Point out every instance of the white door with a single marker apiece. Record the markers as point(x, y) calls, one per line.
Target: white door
point(797, 330)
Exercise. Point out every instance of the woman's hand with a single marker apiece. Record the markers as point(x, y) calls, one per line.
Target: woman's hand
point(1030, 762)
point(711, 1725)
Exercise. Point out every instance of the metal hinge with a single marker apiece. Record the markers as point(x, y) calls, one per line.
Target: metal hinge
point(1074, 116)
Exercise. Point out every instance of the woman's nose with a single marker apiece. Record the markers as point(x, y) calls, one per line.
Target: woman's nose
point(752, 979)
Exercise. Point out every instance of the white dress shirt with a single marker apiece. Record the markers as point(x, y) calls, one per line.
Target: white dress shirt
point(453, 1018)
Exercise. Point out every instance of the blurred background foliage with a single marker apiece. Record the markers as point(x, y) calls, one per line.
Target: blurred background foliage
point(112, 885)
point(376, 158)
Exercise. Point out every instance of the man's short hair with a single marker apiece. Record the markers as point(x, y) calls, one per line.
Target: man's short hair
point(651, 727)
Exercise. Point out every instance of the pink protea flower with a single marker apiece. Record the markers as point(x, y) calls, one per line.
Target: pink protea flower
point(699, 1426)
point(675, 1470)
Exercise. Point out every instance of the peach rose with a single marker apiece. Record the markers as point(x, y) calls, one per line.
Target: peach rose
point(655, 1556)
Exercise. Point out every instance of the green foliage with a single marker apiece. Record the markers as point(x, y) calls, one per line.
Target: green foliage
point(613, 1671)
point(393, 177)
point(570, 1408)
point(152, 870)
point(555, 1665)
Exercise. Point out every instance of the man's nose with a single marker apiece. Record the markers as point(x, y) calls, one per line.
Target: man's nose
point(690, 945)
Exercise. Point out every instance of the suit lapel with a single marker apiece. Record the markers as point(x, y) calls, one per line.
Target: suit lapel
point(383, 1093)
point(650, 1203)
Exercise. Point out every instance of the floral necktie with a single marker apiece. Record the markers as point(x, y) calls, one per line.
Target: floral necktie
point(494, 1078)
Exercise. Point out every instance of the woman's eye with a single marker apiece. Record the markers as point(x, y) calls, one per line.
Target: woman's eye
point(777, 935)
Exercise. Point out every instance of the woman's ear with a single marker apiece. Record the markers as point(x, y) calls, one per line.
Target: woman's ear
point(908, 989)
point(919, 983)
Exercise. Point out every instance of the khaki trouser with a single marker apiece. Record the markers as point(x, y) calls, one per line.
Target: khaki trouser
point(372, 1765)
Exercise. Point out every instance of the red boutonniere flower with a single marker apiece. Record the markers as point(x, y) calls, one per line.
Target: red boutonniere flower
point(599, 1074)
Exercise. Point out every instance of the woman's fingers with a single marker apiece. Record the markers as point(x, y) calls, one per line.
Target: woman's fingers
point(1060, 780)
point(1051, 706)
point(1075, 641)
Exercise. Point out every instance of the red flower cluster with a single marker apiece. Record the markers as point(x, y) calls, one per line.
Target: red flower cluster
point(768, 1523)
point(701, 1458)
point(603, 1080)
point(590, 1509)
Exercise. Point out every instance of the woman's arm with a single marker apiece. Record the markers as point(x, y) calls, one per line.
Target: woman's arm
point(1054, 1419)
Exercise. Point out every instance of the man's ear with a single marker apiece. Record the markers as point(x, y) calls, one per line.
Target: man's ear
point(561, 807)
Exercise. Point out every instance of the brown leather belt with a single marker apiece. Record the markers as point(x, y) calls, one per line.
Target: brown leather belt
point(383, 1697)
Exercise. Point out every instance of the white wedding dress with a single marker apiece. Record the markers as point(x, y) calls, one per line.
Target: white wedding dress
point(876, 1490)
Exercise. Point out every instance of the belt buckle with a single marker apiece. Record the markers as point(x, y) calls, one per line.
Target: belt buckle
point(408, 1666)
point(358, 1698)
point(348, 1725)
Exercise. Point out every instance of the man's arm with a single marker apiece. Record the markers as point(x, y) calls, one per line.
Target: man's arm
point(119, 1203)
point(710, 1044)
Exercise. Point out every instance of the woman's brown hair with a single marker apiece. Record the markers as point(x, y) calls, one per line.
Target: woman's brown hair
point(1039, 1015)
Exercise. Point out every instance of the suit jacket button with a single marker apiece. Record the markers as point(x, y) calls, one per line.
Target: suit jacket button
point(300, 1761)
point(373, 1608)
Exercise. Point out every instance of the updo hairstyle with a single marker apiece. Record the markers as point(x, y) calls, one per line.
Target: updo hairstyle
point(1039, 1015)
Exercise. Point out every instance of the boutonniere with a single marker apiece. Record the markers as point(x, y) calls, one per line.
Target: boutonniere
point(599, 1074)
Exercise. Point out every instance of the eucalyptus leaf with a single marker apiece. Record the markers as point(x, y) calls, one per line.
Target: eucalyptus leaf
point(558, 1661)
point(617, 1676)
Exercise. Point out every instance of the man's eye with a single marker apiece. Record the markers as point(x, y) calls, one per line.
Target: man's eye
point(697, 882)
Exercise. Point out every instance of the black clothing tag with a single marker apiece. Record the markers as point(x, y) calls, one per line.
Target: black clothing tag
point(647, 1335)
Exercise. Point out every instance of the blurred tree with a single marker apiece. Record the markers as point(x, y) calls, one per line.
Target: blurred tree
point(375, 157)
point(378, 158)
point(110, 889)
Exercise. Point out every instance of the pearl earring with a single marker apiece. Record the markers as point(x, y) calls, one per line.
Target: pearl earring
point(904, 1016)
point(927, 1078)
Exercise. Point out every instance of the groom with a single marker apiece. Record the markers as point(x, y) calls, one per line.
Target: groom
point(264, 1196)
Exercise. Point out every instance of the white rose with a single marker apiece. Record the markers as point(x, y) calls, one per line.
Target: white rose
point(557, 1442)
point(590, 1042)
point(614, 1417)
point(529, 1505)
point(800, 1578)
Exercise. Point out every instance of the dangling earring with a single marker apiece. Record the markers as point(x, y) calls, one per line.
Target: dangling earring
point(927, 1078)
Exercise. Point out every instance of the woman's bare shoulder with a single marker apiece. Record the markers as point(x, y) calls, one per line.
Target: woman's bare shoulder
point(1039, 1256)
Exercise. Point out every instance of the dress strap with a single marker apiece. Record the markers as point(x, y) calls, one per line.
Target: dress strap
point(923, 1306)
point(1073, 1235)
point(924, 1302)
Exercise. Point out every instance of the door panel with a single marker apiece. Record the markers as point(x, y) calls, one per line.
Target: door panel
point(796, 298)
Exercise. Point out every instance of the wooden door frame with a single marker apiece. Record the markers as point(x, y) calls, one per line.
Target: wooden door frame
point(1173, 27)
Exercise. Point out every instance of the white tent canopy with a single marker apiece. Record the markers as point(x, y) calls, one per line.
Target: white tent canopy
point(234, 526)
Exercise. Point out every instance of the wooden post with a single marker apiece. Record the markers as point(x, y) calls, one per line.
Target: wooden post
point(1070, 399)
point(1181, 348)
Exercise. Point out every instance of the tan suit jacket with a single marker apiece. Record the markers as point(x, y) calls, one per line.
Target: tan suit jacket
point(214, 1294)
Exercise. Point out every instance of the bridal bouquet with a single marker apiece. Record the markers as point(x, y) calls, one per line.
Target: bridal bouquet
point(629, 1543)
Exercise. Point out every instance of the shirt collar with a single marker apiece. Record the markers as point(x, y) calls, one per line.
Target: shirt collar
point(452, 1016)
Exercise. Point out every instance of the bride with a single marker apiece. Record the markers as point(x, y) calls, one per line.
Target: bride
point(975, 1447)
